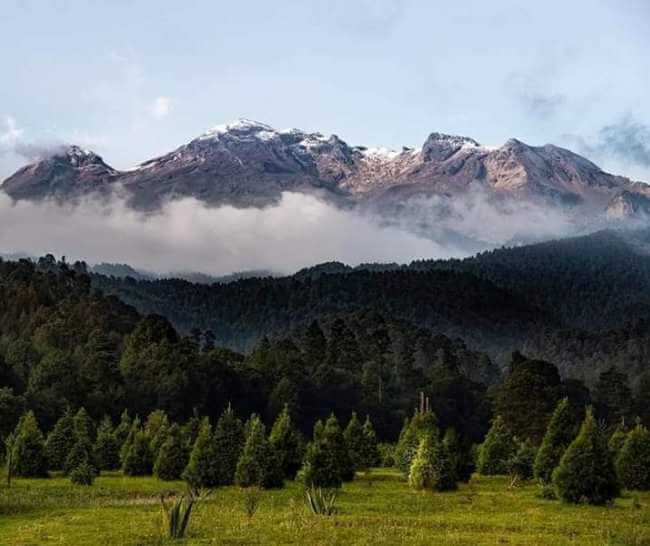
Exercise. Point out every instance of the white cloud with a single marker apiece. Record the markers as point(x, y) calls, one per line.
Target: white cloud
point(10, 136)
point(161, 107)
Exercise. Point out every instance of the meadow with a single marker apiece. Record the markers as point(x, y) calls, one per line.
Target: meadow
point(379, 509)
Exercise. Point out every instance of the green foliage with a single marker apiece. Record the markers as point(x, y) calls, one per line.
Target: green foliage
point(172, 456)
point(122, 430)
point(617, 439)
point(612, 396)
point(203, 466)
point(386, 454)
point(461, 459)
point(496, 450)
point(136, 427)
point(370, 451)
point(520, 466)
point(81, 452)
point(321, 501)
point(288, 444)
point(83, 474)
point(251, 496)
point(633, 462)
point(355, 442)
point(107, 447)
point(586, 471)
point(60, 441)
point(432, 466)
point(258, 465)
point(156, 428)
point(139, 458)
point(84, 426)
point(28, 459)
point(229, 441)
point(559, 434)
point(422, 424)
point(176, 517)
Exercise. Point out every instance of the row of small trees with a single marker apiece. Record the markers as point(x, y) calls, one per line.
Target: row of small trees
point(582, 462)
point(205, 456)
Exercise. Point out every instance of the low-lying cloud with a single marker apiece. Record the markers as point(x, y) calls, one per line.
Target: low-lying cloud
point(299, 231)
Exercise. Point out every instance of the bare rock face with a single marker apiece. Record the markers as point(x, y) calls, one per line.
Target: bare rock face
point(247, 163)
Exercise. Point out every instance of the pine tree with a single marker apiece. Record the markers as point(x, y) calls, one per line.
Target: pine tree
point(287, 443)
point(122, 430)
point(107, 449)
point(172, 456)
point(60, 441)
point(258, 464)
point(452, 444)
point(633, 462)
point(202, 469)
point(431, 467)
point(496, 450)
point(319, 428)
point(423, 423)
point(28, 459)
point(617, 439)
point(81, 452)
point(128, 441)
point(229, 441)
point(190, 431)
point(335, 443)
point(586, 471)
point(139, 459)
point(84, 426)
point(319, 469)
point(156, 427)
point(560, 433)
point(354, 442)
point(370, 451)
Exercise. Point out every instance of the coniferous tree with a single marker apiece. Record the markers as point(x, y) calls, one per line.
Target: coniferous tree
point(612, 396)
point(190, 431)
point(586, 471)
point(81, 452)
point(370, 451)
point(258, 464)
point(496, 450)
point(107, 448)
point(288, 444)
point(633, 462)
point(559, 434)
point(432, 467)
point(521, 464)
point(355, 442)
point(202, 469)
point(617, 439)
point(453, 446)
point(28, 459)
point(139, 459)
point(128, 442)
point(60, 441)
point(423, 423)
point(172, 456)
point(335, 443)
point(229, 441)
point(84, 426)
point(122, 430)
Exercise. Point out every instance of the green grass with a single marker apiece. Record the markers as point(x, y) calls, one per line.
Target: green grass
point(118, 510)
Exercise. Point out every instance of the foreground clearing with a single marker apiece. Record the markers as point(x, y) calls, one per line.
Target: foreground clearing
point(380, 510)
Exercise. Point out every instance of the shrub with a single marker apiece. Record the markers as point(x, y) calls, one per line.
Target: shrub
point(251, 496)
point(321, 502)
point(496, 450)
point(28, 458)
point(370, 456)
point(83, 474)
point(81, 452)
point(84, 426)
point(139, 459)
point(176, 517)
point(386, 455)
point(229, 441)
point(258, 465)
point(586, 471)
point(288, 444)
point(106, 449)
point(60, 441)
point(617, 439)
point(172, 456)
point(130, 437)
point(122, 430)
point(633, 462)
point(354, 443)
point(559, 434)
point(423, 423)
point(520, 466)
point(421, 475)
point(202, 468)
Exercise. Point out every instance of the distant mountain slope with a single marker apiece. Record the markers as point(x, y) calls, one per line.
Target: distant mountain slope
point(249, 164)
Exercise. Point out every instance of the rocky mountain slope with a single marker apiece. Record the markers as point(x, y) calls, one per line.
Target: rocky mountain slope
point(247, 163)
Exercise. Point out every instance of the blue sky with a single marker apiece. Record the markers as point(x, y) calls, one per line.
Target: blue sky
point(133, 79)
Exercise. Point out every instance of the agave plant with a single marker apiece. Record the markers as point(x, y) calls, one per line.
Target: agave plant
point(177, 516)
point(321, 501)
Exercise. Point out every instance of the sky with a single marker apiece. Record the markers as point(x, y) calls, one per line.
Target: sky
point(133, 79)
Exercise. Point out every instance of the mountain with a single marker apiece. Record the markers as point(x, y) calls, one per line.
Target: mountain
point(250, 164)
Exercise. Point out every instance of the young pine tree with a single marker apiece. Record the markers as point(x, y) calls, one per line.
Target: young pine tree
point(258, 464)
point(28, 459)
point(617, 439)
point(335, 443)
point(423, 423)
point(633, 462)
point(287, 443)
point(82, 450)
point(229, 441)
point(354, 442)
point(202, 469)
point(586, 471)
point(432, 466)
point(107, 448)
point(521, 464)
point(122, 430)
point(172, 456)
point(559, 434)
point(139, 459)
point(84, 426)
point(370, 450)
point(496, 450)
point(60, 441)
point(156, 428)
point(130, 437)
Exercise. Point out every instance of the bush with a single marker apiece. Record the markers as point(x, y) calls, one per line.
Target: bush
point(432, 467)
point(130, 437)
point(172, 456)
point(354, 443)
point(251, 496)
point(60, 441)
point(107, 448)
point(202, 468)
point(287, 443)
point(370, 456)
point(496, 450)
point(423, 423)
point(81, 452)
point(633, 462)
point(83, 474)
point(321, 502)
point(177, 516)
point(617, 440)
point(386, 455)
point(586, 471)
point(521, 464)
point(559, 434)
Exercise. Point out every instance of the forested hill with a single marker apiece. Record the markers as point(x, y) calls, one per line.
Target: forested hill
point(580, 303)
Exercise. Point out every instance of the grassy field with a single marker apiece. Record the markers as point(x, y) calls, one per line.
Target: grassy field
point(380, 510)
